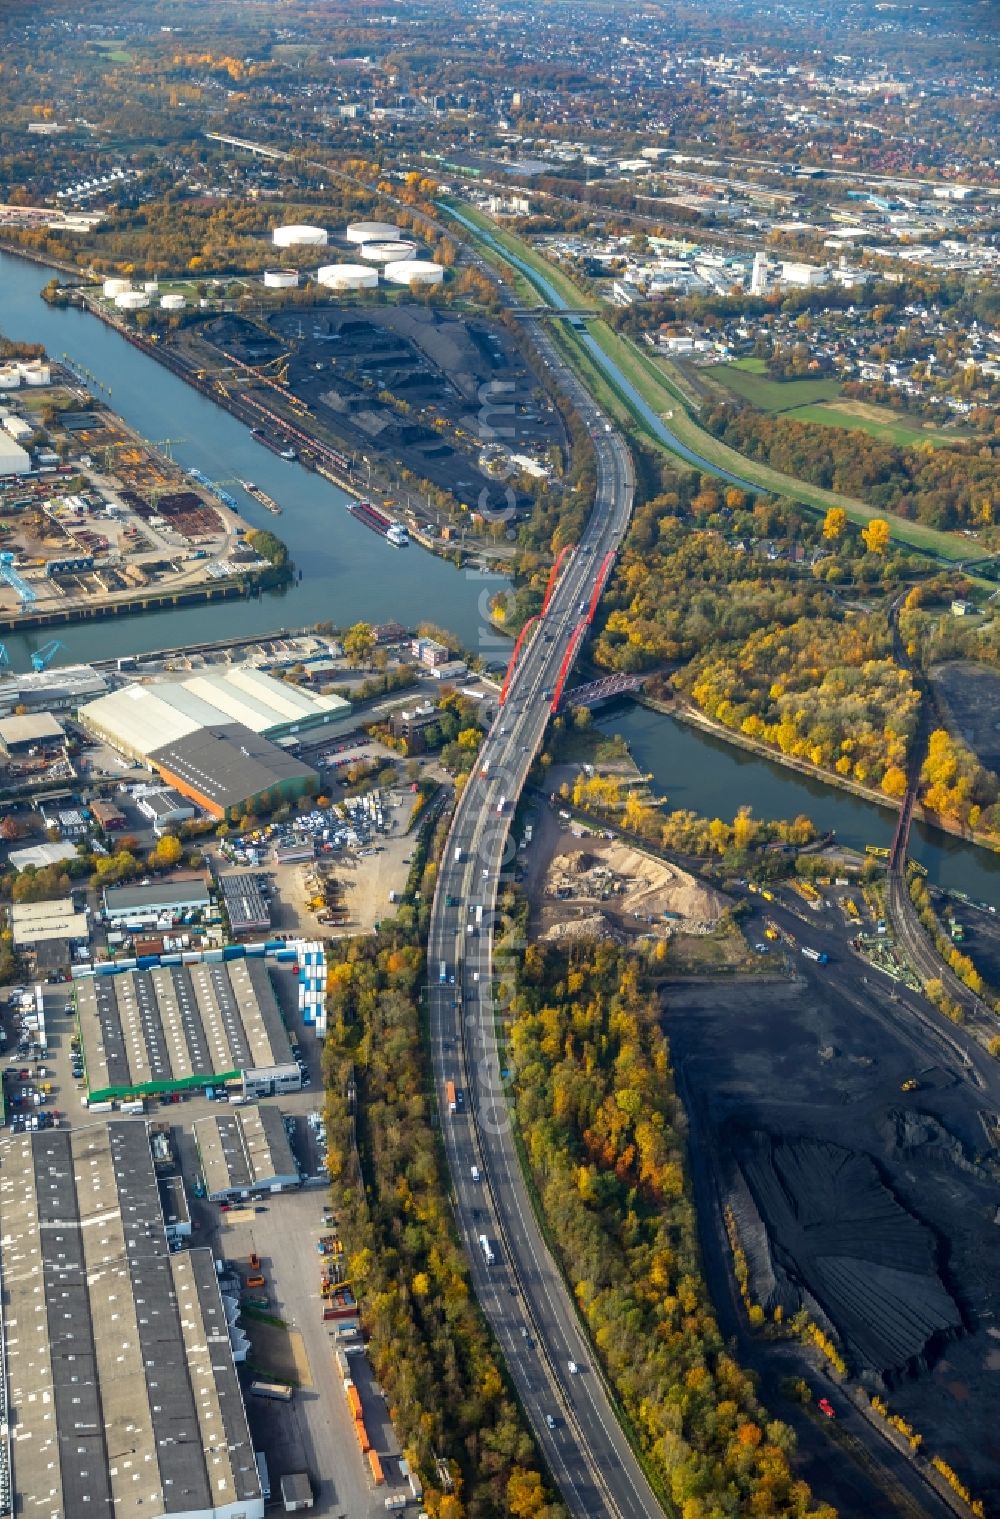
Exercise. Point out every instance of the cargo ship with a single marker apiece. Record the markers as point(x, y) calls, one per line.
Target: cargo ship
point(392, 532)
point(285, 452)
point(261, 496)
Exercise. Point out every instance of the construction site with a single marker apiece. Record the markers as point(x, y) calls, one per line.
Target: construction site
point(107, 523)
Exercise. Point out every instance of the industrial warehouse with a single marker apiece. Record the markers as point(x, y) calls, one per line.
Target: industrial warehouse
point(217, 738)
point(120, 1392)
point(173, 1028)
point(244, 1151)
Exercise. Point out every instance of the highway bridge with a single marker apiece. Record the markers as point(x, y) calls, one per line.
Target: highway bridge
point(516, 1280)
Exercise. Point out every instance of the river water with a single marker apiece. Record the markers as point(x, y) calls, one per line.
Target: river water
point(349, 573)
point(693, 769)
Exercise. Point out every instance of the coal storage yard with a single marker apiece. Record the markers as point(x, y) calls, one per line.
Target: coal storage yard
point(835, 1236)
point(875, 1208)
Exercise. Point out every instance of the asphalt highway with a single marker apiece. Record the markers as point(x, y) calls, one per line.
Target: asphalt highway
point(515, 1278)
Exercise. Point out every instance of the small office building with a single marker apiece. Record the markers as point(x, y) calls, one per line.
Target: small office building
point(146, 906)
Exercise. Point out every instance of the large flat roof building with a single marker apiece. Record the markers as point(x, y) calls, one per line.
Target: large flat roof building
point(141, 719)
point(33, 923)
point(244, 1150)
point(228, 769)
point(121, 1394)
point(177, 1027)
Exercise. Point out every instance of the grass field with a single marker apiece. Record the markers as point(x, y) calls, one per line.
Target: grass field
point(771, 395)
point(875, 421)
point(752, 366)
point(113, 51)
point(668, 401)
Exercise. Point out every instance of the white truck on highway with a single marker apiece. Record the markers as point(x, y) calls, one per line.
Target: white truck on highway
point(487, 1250)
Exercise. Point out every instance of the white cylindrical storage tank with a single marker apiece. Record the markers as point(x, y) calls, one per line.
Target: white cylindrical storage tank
point(10, 377)
point(131, 300)
point(372, 232)
point(173, 301)
point(281, 279)
point(291, 237)
point(347, 277)
point(388, 250)
point(409, 271)
point(35, 372)
point(115, 287)
point(151, 287)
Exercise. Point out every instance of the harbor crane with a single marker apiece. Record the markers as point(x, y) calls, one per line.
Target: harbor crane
point(9, 576)
point(43, 657)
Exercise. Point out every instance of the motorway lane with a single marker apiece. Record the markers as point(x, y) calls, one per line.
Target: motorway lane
point(522, 1290)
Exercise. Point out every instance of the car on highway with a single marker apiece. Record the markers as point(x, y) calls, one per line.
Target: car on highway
point(475, 1173)
point(572, 1367)
point(826, 1407)
point(550, 1421)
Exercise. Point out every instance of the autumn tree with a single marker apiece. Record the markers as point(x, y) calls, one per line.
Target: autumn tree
point(834, 524)
point(358, 643)
point(876, 535)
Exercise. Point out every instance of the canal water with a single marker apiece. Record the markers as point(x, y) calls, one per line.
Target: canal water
point(695, 770)
point(349, 573)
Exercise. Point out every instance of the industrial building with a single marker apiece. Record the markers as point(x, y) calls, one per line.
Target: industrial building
point(57, 689)
point(33, 923)
point(229, 770)
point(246, 905)
point(36, 730)
point(145, 906)
point(176, 1027)
point(120, 1393)
point(164, 807)
point(244, 1151)
point(216, 738)
point(140, 719)
point(14, 460)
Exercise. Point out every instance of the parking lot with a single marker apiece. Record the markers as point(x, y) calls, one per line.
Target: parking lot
point(315, 1431)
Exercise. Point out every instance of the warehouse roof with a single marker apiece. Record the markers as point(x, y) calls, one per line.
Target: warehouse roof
point(129, 1347)
point(33, 922)
point(227, 765)
point(261, 701)
point(243, 1150)
point(32, 728)
point(179, 1023)
point(141, 718)
point(245, 903)
point(118, 899)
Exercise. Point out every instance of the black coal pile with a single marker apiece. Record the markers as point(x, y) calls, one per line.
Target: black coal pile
point(837, 1236)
